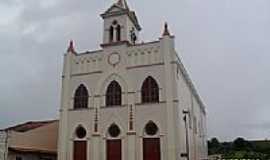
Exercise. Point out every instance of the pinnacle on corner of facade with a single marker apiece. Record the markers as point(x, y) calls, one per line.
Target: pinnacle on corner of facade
point(71, 47)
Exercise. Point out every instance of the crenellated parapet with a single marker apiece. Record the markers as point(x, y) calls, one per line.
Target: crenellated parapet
point(144, 54)
point(87, 62)
point(135, 55)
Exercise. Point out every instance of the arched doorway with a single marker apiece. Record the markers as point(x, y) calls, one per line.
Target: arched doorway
point(114, 143)
point(151, 142)
point(80, 144)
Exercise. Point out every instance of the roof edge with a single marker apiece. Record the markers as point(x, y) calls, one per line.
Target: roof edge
point(24, 127)
point(190, 84)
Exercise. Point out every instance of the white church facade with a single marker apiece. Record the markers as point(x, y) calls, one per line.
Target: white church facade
point(127, 101)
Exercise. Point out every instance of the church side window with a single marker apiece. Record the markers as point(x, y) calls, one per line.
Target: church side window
point(118, 31)
point(111, 33)
point(81, 97)
point(150, 91)
point(114, 94)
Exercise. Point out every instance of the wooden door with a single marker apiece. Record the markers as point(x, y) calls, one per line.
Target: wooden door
point(114, 150)
point(80, 150)
point(151, 149)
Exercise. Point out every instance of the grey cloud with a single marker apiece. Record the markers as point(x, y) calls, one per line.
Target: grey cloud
point(224, 45)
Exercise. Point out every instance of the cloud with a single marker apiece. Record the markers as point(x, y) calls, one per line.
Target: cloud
point(224, 45)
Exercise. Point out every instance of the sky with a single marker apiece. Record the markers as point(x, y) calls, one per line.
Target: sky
point(224, 45)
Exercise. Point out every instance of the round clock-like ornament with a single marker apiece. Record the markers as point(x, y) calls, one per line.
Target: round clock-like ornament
point(114, 59)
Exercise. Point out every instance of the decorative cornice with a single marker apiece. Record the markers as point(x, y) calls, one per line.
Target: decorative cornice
point(84, 74)
point(141, 104)
point(96, 135)
point(121, 106)
point(115, 44)
point(80, 109)
point(131, 133)
point(147, 65)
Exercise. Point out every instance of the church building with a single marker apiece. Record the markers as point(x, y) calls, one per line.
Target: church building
point(130, 100)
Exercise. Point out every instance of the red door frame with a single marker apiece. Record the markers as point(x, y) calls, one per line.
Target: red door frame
point(151, 149)
point(114, 149)
point(80, 150)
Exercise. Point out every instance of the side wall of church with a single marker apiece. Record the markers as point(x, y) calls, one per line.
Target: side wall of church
point(196, 119)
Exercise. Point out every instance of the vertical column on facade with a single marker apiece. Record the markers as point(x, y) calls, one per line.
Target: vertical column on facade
point(167, 49)
point(96, 132)
point(131, 134)
point(63, 139)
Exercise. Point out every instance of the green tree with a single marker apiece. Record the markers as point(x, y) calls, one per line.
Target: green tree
point(214, 146)
point(240, 144)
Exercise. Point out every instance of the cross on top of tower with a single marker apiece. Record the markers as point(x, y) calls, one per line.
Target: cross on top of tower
point(123, 4)
point(166, 31)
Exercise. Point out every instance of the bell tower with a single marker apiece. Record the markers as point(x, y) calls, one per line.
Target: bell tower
point(121, 25)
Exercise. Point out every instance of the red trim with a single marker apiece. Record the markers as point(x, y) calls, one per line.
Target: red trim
point(71, 48)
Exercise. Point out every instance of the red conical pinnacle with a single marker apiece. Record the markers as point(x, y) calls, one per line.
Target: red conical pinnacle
point(71, 47)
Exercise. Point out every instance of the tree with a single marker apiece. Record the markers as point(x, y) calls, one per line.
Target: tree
point(240, 144)
point(214, 146)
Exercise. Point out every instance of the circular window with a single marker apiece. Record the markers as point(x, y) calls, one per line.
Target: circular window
point(80, 132)
point(114, 22)
point(151, 129)
point(114, 130)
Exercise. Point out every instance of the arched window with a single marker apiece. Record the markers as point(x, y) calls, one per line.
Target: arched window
point(114, 94)
point(111, 33)
point(151, 128)
point(81, 97)
point(80, 132)
point(114, 131)
point(118, 31)
point(150, 91)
